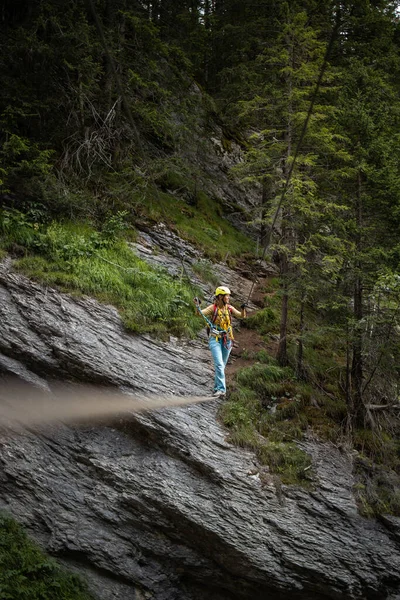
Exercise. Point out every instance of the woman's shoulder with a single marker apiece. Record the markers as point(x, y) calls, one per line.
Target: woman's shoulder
point(208, 310)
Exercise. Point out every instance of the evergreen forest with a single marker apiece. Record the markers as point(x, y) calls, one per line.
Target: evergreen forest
point(104, 109)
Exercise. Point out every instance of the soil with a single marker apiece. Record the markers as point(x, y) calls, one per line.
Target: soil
point(247, 342)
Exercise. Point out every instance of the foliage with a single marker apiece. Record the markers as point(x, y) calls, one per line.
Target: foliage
point(22, 160)
point(262, 413)
point(203, 225)
point(27, 574)
point(377, 486)
point(78, 259)
point(264, 321)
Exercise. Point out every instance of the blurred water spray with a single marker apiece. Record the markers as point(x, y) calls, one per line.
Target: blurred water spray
point(27, 405)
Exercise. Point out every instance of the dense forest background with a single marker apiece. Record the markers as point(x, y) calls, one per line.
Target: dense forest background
point(103, 108)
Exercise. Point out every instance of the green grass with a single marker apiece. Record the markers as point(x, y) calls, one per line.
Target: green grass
point(77, 259)
point(263, 413)
point(204, 270)
point(27, 574)
point(265, 321)
point(203, 225)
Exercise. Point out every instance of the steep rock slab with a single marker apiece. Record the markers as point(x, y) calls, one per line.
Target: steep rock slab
point(159, 505)
point(163, 248)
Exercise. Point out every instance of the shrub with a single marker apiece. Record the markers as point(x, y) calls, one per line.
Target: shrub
point(27, 574)
point(264, 321)
point(22, 160)
point(262, 378)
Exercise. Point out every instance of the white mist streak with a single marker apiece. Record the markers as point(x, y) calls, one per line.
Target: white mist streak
point(25, 405)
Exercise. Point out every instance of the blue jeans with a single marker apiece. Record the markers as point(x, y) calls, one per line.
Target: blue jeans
point(220, 356)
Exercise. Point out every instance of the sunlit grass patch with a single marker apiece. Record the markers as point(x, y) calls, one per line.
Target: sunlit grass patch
point(149, 300)
point(201, 223)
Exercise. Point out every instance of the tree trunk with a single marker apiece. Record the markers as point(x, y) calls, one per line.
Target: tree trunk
point(357, 362)
point(349, 396)
point(263, 224)
point(284, 264)
point(300, 346)
point(281, 355)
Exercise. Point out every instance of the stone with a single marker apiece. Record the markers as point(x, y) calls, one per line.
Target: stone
point(159, 505)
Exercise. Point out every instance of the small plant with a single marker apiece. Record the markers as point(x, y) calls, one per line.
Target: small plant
point(264, 414)
point(17, 228)
point(204, 270)
point(115, 225)
point(26, 573)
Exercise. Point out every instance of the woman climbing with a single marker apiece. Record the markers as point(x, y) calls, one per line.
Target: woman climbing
point(219, 320)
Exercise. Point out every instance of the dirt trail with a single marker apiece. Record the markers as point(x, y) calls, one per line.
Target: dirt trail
point(248, 341)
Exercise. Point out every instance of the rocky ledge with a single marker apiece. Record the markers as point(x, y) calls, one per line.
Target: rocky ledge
point(159, 505)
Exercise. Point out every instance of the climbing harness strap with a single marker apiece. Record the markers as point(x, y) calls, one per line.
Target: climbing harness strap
point(219, 333)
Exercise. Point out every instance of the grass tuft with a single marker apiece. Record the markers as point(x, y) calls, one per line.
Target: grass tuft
point(263, 413)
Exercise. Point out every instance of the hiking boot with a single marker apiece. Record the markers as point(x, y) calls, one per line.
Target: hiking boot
point(218, 394)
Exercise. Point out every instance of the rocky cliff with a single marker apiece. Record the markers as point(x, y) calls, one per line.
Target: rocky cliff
point(159, 505)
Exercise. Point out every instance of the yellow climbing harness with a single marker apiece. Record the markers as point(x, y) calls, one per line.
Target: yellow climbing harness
point(222, 319)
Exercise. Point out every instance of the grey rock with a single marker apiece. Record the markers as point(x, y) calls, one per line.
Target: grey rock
point(159, 505)
point(164, 249)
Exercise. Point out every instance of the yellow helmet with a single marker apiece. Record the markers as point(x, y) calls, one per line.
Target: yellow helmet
point(222, 290)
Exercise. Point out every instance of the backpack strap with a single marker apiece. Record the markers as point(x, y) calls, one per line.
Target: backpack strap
point(213, 319)
point(215, 314)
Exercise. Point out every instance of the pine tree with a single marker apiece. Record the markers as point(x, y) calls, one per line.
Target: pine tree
point(290, 70)
point(368, 115)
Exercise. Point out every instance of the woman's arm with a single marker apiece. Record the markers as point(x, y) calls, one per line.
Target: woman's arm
point(239, 314)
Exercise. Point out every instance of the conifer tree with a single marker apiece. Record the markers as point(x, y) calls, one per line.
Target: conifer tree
point(368, 115)
point(287, 73)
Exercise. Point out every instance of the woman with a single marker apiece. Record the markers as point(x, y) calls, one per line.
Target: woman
point(219, 317)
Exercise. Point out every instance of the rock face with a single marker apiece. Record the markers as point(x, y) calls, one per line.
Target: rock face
point(159, 505)
point(162, 248)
